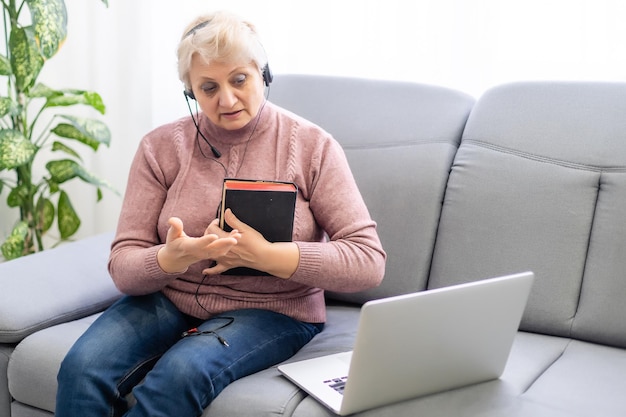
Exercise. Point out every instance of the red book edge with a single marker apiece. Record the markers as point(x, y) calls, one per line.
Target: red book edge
point(258, 185)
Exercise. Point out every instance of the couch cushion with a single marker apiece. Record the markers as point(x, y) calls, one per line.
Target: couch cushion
point(267, 393)
point(530, 357)
point(34, 364)
point(586, 380)
point(38, 291)
point(399, 139)
point(539, 183)
point(22, 410)
point(545, 377)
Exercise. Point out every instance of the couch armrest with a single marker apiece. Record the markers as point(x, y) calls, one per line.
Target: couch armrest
point(55, 286)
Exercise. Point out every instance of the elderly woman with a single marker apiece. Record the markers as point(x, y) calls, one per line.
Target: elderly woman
point(184, 327)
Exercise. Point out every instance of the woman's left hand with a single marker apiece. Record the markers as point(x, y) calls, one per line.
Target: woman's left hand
point(254, 251)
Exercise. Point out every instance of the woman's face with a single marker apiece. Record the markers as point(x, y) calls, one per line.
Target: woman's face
point(229, 94)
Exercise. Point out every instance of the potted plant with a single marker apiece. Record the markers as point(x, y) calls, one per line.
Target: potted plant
point(30, 124)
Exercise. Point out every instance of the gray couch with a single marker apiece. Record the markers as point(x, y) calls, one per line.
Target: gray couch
point(531, 176)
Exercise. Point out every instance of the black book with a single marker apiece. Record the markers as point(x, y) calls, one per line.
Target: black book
point(266, 206)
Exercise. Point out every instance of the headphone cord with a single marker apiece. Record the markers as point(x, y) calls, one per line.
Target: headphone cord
point(196, 332)
point(216, 152)
point(245, 150)
point(229, 320)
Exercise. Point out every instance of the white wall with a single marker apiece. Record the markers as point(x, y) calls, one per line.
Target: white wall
point(127, 54)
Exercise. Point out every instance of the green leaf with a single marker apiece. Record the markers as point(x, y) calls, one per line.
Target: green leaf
point(5, 66)
point(63, 170)
point(68, 97)
point(53, 186)
point(7, 106)
point(26, 59)
point(69, 131)
point(64, 100)
point(13, 246)
point(50, 22)
point(18, 196)
point(45, 214)
point(60, 147)
point(15, 149)
point(91, 132)
point(42, 90)
point(68, 221)
point(72, 97)
point(94, 100)
point(67, 169)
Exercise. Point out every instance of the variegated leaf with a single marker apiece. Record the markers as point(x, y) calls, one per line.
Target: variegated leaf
point(67, 169)
point(13, 246)
point(50, 22)
point(60, 147)
point(18, 196)
point(15, 149)
point(26, 60)
point(42, 90)
point(62, 170)
point(5, 65)
point(68, 221)
point(45, 214)
point(7, 106)
point(91, 132)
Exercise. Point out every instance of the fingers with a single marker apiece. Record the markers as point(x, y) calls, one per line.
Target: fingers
point(233, 221)
point(217, 269)
point(176, 229)
point(180, 250)
point(213, 227)
point(219, 248)
point(176, 223)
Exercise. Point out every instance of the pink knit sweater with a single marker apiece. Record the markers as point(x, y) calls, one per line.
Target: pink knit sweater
point(170, 176)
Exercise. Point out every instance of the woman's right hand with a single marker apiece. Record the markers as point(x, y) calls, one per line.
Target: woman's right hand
point(180, 250)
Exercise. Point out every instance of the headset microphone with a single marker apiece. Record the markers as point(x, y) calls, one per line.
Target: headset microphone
point(189, 95)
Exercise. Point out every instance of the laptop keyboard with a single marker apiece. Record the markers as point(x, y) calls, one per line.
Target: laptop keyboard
point(338, 384)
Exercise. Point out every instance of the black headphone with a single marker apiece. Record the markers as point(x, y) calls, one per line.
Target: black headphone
point(268, 77)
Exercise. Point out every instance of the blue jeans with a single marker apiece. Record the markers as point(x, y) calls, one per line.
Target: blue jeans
point(139, 339)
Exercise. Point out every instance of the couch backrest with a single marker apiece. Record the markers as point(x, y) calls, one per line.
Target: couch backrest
point(400, 139)
point(539, 183)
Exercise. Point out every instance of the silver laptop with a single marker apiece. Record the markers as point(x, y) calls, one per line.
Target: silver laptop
point(418, 344)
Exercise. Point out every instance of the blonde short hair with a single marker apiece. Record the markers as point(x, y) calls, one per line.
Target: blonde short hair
point(219, 36)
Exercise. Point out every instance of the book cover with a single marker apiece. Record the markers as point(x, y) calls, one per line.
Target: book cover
point(267, 206)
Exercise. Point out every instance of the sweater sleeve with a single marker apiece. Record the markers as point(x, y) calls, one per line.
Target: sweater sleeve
point(353, 258)
point(133, 262)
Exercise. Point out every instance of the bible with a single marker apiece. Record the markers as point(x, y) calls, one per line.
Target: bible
point(266, 206)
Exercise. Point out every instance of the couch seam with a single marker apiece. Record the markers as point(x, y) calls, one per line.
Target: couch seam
point(438, 226)
point(582, 279)
point(559, 356)
point(399, 144)
point(540, 158)
point(22, 333)
point(283, 406)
